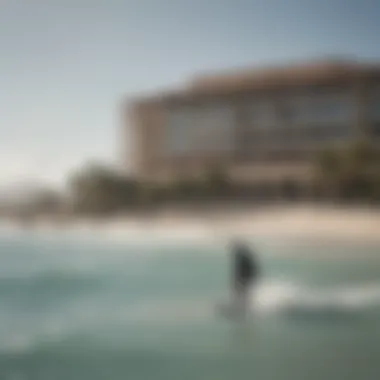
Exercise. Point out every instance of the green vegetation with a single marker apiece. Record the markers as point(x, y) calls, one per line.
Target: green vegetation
point(350, 173)
point(346, 173)
point(97, 190)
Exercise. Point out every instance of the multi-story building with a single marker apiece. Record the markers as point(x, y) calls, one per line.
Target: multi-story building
point(263, 125)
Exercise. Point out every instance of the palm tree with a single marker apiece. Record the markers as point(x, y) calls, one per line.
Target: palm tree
point(217, 181)
point(328, 172)
point(97, 189)
point(348, 172)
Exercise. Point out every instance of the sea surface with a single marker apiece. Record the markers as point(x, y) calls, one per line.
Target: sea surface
point(83, 307)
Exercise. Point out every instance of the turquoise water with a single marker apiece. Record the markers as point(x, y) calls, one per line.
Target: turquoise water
point(86, 308)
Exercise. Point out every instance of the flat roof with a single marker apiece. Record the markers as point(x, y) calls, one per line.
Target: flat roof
point(278, 76)
point(267, 78)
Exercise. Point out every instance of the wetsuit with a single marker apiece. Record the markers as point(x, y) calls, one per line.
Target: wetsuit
point(245, 273)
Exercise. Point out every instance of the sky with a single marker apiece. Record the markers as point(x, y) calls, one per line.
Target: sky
point(67, 65)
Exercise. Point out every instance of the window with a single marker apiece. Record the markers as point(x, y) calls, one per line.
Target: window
point(199, 129)
point(321, 108)
point(177, 130)
point(262, 114)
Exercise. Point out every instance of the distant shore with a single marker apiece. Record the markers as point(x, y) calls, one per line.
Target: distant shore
point(289, 221)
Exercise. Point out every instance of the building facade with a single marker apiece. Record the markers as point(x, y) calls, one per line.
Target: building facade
point(262, 125)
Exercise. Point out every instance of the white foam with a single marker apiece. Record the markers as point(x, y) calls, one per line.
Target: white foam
point(270, 298)
point(277, 296)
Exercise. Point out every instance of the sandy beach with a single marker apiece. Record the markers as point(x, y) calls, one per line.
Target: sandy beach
point(288, 221)
point(304, 223)
point(312, 223)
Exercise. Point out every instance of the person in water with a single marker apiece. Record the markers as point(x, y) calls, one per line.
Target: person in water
point(245, 274)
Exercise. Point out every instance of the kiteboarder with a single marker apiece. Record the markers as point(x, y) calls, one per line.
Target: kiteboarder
point(245, 273)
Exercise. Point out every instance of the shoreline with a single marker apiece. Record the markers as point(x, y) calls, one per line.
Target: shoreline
point(305, 222)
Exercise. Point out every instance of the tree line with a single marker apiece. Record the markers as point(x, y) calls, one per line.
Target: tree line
point(349, 173)
point(97, 189)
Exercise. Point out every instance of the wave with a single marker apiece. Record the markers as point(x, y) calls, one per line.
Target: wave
point(295, 300)
point(101, 321)
point(292, 300)
point(272, 297)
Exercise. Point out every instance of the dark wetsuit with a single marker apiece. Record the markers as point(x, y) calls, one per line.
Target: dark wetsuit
point(245, 271)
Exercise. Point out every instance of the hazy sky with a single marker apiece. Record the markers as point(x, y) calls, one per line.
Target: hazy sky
point(66, 64)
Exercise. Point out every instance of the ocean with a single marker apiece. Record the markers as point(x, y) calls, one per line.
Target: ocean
point(83, 307)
